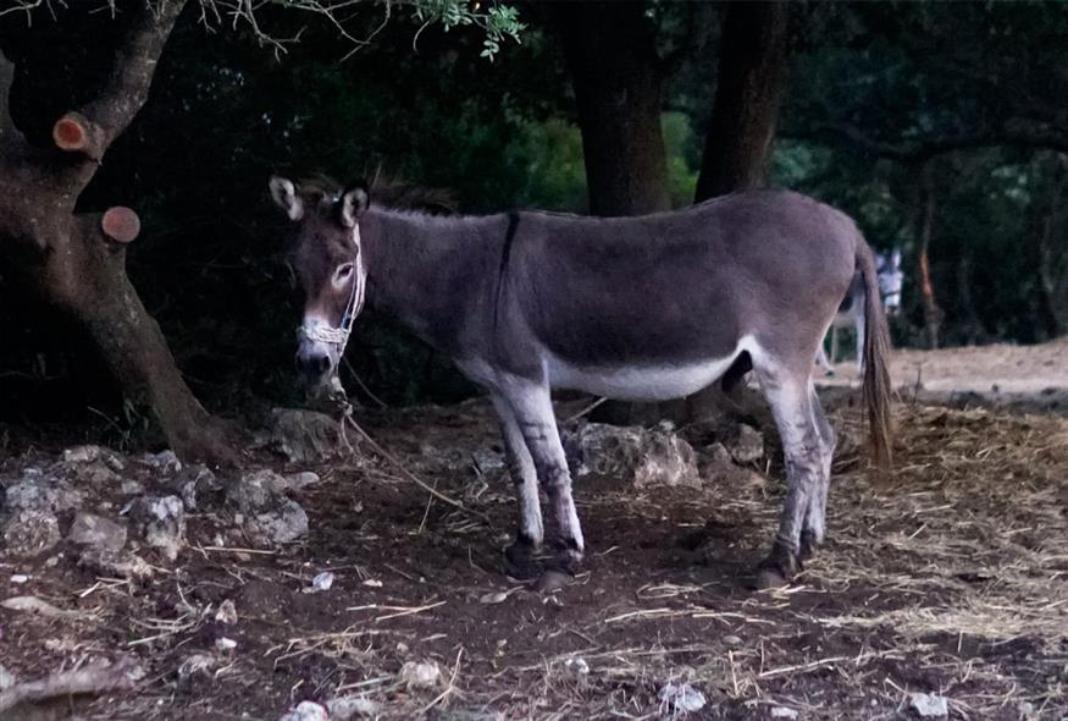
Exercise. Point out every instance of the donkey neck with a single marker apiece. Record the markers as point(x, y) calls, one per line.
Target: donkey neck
point(430, 272)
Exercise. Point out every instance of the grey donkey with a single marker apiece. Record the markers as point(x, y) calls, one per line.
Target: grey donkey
point(640, 308)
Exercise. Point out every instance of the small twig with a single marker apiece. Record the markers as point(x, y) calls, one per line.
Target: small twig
point(96, 680)
point(448, 689)
point(400, 611)
point(584, 411)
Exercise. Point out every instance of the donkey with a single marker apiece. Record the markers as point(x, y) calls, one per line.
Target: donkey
point(851, 312)
point(638, 308)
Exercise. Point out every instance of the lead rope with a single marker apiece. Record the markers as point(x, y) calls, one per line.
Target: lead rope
point(333, 392)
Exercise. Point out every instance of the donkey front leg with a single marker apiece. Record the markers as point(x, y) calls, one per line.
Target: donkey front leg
point(803, 447)
point(533, 409)
point(520, 554)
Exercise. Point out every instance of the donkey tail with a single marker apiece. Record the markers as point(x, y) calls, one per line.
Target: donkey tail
point(877, 389)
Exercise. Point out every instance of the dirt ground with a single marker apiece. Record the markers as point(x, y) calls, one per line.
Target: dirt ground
point(949, 576)
point(1030, 378)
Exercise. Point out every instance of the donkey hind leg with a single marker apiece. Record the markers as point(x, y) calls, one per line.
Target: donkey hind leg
point(790, 399)
point(520, 555)
point(815, 524)
point(533, 409)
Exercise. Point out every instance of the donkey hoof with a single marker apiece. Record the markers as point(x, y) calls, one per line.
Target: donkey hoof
point(777, 569)
point(809, 543)
point(519, 560)
point(553, 580)
point(768, 577)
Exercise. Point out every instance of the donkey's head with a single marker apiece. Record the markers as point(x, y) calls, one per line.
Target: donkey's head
point(326, 256)
point(891, 278)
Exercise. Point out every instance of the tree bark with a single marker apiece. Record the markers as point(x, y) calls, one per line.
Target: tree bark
point(752, 71)
point(615, 70)
point(75, 262)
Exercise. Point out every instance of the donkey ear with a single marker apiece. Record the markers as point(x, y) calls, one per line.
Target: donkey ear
point(353, 203)
point(285, 197)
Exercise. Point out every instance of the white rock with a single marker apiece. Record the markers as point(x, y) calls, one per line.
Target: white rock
point(420, 675)
point(631, 455)
point(82, 454)
point(161, 520)
point(929, 705)
point(577, 666)
point(28, 533)
point(679, 698)
point(225, 644)
point(131, 487)
point(783, 712)
point(7, 679)
point(372, 583)
point(20, 578)
point(298, 481)
point(748, 446)
point(307, 711)
point(302, 436)
point(38, 493)
point(164, 461)
point(347, 707)
point(197, 663)
point(227, 612)
point(322, 582)
point(92, 530)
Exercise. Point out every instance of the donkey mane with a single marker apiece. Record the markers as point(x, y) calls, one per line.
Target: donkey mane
point(384, 191)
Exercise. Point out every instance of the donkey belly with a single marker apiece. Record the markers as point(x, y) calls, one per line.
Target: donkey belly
point(645, 381)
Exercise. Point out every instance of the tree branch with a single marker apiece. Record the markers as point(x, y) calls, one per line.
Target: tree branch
point(698, 23)
point(135, 63)
point(8, 132)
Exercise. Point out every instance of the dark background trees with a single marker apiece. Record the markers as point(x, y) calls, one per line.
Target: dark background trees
point(941, 128)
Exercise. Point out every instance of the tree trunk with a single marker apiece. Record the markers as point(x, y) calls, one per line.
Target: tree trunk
point(752, 70)
point(1048, 280)
point(932, 313)
point(615, 70)
point(75, 263)
point(975, 333)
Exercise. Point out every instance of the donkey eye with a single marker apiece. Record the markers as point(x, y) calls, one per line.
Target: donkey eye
point(343, 273)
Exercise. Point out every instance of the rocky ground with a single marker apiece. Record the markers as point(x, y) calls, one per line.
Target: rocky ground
point(323, 583)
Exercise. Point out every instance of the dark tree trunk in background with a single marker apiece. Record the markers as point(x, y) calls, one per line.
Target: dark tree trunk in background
point(1048, 245)
point(616, 73)
point(973, 324)
point(75, 262)
point(751, 75)
point(932, 313)
point(752, 71)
